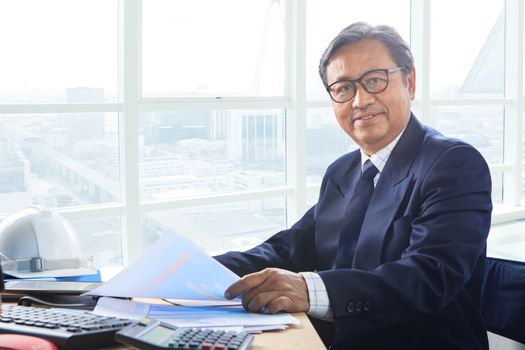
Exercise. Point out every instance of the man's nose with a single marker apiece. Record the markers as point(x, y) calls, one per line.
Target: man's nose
point(362, 98)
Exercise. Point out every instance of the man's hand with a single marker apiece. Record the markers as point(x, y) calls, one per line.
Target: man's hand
point(270, 291)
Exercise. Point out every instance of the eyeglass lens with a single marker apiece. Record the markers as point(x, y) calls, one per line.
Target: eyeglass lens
point(373, 82)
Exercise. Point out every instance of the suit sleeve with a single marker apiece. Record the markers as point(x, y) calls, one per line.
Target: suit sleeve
point(292, 249)
point(451, 214)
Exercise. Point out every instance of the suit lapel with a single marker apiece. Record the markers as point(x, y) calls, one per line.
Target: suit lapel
point(347, 183)
point(332, 210)
point(390, 190)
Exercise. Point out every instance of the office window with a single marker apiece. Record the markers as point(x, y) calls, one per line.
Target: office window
point(221, 227)
point(311, 199)
point(208, 48)
point(507, 240)
point(58, 160)
point(100, 238)
point(481, 126)
point(521, 139)
point(324, 19)
point(497, 186)
point(188, 153)
point(217, 125)
point(522, 192)
point(325, 142)
point(467, 56)
point(50, 47)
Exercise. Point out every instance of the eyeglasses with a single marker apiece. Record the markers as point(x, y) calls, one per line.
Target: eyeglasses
point(373, 82)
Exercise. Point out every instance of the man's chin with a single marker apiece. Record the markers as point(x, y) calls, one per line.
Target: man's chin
point(371, 143)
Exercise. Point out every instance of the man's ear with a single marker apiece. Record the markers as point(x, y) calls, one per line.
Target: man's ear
point(411, 83)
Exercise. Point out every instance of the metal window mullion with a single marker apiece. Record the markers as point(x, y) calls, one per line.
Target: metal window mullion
point(519, 9)
point(420, 44)
point(129, 80)
point(514, 92)
point(295, 85)
point(197, 201)
point(200, 103)
point(471, 102)
point(59, 108)
point(92, 212)
point(520, 102)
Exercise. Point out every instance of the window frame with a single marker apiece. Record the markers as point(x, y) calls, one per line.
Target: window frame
point(295, 104)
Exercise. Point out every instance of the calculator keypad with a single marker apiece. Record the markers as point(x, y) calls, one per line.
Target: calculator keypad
point(206, 339)
point(67, 329)
point(51, 319)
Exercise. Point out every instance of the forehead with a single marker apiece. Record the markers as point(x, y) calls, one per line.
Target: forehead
point(352, 60)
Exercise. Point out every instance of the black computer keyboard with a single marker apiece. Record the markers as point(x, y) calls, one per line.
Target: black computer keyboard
point(68, 330)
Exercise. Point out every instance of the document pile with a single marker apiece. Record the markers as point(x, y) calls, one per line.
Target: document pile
point(176, 270)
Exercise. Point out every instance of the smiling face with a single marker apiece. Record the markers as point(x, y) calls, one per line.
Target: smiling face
point(371, 120)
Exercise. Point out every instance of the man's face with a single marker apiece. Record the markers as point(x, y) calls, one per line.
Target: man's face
point(371, 120)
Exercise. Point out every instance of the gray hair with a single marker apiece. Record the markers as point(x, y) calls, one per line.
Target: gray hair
point(399, 49)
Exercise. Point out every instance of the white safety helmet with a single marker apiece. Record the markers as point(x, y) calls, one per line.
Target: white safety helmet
point(36, 242)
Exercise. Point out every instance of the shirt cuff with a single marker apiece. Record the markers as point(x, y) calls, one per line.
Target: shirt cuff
point(319, 303)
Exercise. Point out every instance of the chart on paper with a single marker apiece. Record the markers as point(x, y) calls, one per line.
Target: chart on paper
point(171, 268)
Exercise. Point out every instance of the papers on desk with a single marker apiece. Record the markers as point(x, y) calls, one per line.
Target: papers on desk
point(171, 268)
point(193, 302)
point(175, 268)
point(195, 316)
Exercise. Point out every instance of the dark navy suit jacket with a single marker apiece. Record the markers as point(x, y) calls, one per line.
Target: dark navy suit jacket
point(418, 265)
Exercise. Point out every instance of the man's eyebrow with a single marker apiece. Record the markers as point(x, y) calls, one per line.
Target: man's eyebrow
point(346, 77)
point(341, 78)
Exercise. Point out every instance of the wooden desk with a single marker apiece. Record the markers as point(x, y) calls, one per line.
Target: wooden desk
point(302, 336)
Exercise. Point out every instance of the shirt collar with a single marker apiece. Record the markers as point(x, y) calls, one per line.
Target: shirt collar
point(380, 157)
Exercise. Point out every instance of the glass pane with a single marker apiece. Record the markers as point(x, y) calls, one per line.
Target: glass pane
point(58, 160)
point(101, 238)
point(497, 186)
point(222, 227)
point(325, 19)
point(468, 62)
point(213, 48)
point(523, 63)
point(507, 240)
point(325, 142)
point(481, 126)
point(311, 199)
point(201, 152)
point(523, 186)
point(58, 51)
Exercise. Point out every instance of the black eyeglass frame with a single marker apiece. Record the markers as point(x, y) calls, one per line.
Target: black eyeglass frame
point(359, 81)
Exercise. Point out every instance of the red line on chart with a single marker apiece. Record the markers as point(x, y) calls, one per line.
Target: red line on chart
point(169, 270)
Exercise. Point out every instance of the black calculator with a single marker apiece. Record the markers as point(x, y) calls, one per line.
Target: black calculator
point(152, 334)
point(68, 329)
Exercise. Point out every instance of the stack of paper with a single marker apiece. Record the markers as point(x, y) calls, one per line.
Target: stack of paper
point(233, 317)
point(173, 268)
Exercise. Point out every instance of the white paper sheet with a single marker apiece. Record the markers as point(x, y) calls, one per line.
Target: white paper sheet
point(194, 316)
point(171, 268)
point(193, 302)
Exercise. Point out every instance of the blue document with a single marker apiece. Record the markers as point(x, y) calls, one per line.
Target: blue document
point(194, 316)
point(172, 267)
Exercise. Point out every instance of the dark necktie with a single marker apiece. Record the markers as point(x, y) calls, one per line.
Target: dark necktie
point(355, 214)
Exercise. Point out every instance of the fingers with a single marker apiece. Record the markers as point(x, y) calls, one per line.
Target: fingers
point(271, 290)
point(245, 284)
point(268, 303)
